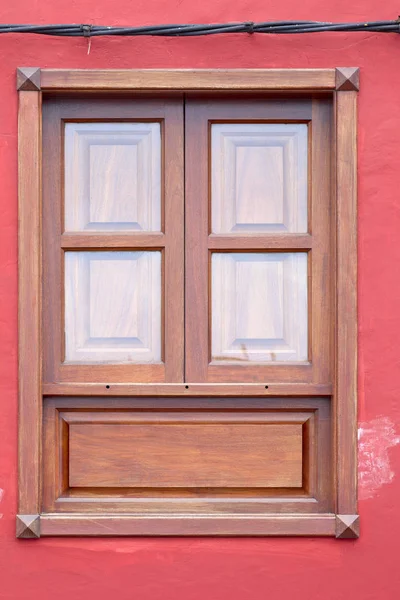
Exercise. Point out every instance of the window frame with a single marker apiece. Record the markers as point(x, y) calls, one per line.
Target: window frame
point(343, 84)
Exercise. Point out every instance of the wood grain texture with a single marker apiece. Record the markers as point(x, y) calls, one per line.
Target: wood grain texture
point(267, 241)
point(182, 525)
point(189, 79)
point(109, 374)
point(346, 302)
point(196, 389)
point(29, 301)
point(186, 455)
point(127, 241)
point(203, 452)
point(321, 259)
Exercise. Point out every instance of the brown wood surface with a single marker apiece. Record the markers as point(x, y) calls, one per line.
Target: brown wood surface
point(290, 373)
point(196, 389)
point(345, 396)
point(168, 111)
point(29, 301)
point(290, 241)
point(202, 452)
point(321, 304)
point(189, 79)
point(174, 525)
point(126, 241)
point(169, 454)
point(180, 455)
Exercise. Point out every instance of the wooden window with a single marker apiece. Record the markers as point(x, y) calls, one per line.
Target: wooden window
point(187, 307)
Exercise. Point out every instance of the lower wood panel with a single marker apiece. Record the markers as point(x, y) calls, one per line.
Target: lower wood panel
point(202, 452)
point(187, 456)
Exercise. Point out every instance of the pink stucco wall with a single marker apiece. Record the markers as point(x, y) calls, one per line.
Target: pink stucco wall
point(238, 569)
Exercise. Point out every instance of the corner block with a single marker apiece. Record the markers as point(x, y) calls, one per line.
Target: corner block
point(28, 526)
point(347, 526)
point(28, 79)
point(347, 79)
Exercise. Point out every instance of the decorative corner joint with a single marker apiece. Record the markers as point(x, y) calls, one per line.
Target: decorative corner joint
point(347, 79)
point(28, 526)
point(347, 527)
point(28, 79)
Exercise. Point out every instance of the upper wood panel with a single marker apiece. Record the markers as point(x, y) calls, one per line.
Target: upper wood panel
point(259, 177)
point(112, 176)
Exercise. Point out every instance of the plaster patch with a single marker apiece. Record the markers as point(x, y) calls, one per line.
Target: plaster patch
point(374, 440)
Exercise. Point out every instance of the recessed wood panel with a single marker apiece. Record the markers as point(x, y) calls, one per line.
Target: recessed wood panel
point(259, 177)
point(259, 307)
point(112, 176)
point(113, 307)
point(187, 454)
point(193, 452)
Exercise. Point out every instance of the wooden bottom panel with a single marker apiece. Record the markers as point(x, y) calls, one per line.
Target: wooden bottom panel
point(197, 457)
point(142, 452)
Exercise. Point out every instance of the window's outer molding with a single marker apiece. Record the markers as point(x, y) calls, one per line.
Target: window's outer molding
point(343, 83)
point(345, 392)
point(29, 309)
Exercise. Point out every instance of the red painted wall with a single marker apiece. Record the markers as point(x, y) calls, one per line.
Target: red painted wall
point(194, 569)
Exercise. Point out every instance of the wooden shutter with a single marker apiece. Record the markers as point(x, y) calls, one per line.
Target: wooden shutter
point(242, 156)
point(113, 240)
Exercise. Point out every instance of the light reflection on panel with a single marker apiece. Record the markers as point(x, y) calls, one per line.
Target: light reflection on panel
point(259, 177)
point(259, 307)
point(112, 176)
point(113, 307)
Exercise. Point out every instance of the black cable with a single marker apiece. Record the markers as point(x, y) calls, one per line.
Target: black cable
point(271, 27)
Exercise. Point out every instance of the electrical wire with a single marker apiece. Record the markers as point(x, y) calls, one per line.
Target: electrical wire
point(271, 27)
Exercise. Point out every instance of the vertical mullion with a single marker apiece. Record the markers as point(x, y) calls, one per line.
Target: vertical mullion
point(196, 247)
point(320, 300)
point(173, 163)
point(53, 255)
point(346, 302)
